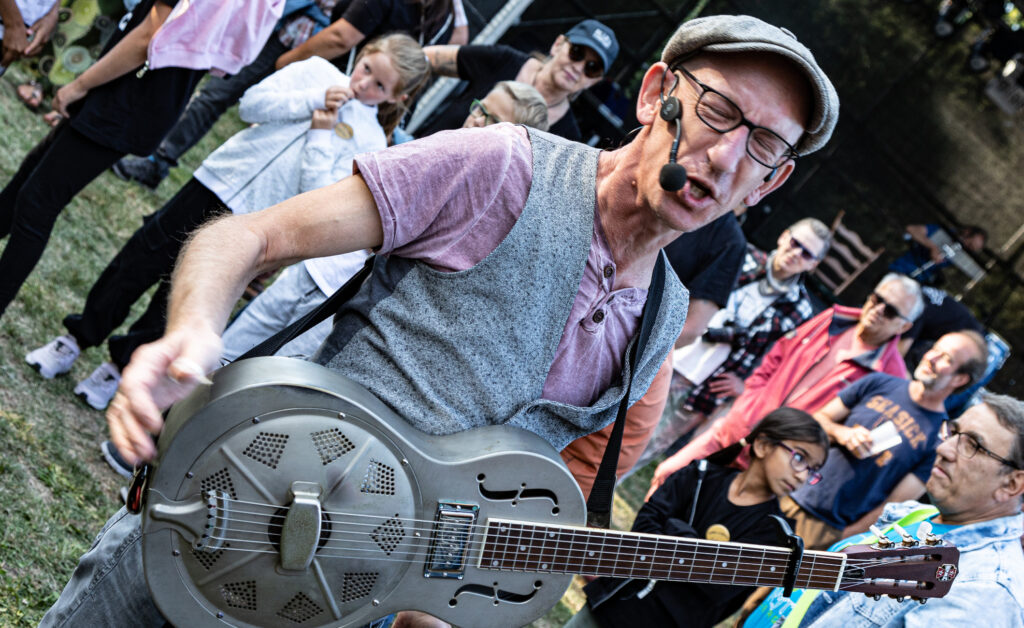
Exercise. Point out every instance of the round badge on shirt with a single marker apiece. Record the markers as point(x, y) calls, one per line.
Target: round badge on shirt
point(717, 532)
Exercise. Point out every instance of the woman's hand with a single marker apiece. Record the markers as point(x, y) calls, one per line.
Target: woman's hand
point(65, 96)
point(337, 96)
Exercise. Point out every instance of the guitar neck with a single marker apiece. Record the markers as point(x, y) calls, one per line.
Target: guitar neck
point(516, 546)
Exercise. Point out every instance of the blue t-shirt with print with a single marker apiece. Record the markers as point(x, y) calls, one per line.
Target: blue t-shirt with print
point(851, 487)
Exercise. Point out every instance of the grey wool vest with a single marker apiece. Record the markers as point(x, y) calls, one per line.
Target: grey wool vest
point(449, 351)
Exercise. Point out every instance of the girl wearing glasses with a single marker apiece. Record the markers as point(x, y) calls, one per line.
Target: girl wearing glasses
point(708, 499)
point(577, 61)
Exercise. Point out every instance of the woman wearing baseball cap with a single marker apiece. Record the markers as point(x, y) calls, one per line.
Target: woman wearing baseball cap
point(577, 60)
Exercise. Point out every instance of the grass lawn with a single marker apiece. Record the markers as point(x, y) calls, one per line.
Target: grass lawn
point(55, 489)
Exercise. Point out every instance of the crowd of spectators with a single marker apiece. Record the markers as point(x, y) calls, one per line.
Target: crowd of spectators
point(814, 416)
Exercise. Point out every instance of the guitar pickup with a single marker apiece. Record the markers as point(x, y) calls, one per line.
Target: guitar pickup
point(453, 529)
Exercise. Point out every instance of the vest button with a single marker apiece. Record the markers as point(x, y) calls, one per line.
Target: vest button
point(598, 316)
point(608, 271)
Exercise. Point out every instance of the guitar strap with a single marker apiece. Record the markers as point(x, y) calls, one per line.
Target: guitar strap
point(599, 504)
point(272, 345)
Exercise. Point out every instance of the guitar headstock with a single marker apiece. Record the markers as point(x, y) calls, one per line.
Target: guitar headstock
point(920, 571)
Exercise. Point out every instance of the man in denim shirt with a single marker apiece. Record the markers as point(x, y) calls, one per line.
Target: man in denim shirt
point(976, 483)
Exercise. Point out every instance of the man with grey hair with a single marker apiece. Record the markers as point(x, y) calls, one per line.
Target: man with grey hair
point(976, 486)
point(768, 301)
point(532, 282)
point(807, 367)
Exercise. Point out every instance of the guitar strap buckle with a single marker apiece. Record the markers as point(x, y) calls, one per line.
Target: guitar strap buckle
point(137, 490)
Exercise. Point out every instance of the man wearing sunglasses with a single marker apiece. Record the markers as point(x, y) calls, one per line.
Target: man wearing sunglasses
point(976, 483)
point(884, 431)
point(807, 367)
point(521, 257)
point(577, 60)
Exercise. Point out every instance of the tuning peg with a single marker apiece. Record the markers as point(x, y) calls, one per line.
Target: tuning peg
point(924, 534)
point(907, 540)
point(920, 600)
point(883, 541)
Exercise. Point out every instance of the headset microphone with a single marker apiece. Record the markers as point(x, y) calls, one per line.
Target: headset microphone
point(673, 176)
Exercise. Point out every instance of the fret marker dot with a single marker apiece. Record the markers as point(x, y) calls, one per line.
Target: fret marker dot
point(681, 561)
point(544, 566)
point(551, 535)
point(495, 563)
point(643, 558)
point(522, 548)
point(725, 564)
point(504, 529)
point(772, 569)
point(591, 554)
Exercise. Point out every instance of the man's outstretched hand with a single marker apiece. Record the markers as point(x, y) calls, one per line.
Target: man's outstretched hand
point(159, 374)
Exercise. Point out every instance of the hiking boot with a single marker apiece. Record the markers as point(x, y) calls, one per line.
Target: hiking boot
point(98, 389)
point(55, 357)
point(114, 459)
point(146, 170)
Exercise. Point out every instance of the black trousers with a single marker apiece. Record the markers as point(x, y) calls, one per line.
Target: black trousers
point(49, 177)
point(147, 258)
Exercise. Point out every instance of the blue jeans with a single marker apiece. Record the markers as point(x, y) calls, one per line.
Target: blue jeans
point(292, 295)
point(108, 587)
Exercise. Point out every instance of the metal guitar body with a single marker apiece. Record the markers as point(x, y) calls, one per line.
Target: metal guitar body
point(287, 495)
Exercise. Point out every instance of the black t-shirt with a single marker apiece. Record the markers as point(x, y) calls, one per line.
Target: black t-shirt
point(132, 114)
point(667, 512)
point(373, 18)
point(483, 67)
point(942, 314)
point(708, 260)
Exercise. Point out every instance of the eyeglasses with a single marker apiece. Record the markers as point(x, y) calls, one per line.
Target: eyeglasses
point(804, 251)
point(477, 110)
point(889, 310)
point(798, 461)
point(764, 146)
point(592, 69)
point(968, 446)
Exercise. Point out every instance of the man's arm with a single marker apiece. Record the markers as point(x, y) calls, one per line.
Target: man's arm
point(125, 56)
point(443, 60)
point(212, 272)
point(919, 234)
point(910, 487)
point(330, 43)
point(856, 439)
point(697, 317)
point(15, 36)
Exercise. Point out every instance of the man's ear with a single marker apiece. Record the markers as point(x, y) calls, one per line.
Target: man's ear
point(767, 187)
point(1012, 486)
point(648, 101)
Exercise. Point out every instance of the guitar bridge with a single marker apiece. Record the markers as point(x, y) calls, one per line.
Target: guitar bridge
point(453, 527)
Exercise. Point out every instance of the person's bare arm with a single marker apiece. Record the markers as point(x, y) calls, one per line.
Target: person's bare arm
point(910, 487)
point(856, 439)
point(919, 234)
point(125, 56)
point(443, 60)
point(15, 38)
point(330, 43)
point(460, 36)
point(211, 274)
point(42, 30)
point(697, 317)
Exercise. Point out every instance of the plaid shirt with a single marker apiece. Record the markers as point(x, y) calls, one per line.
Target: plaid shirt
point(785, 314)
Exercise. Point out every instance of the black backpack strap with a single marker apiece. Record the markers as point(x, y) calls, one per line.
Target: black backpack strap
point(599, 504)
point(328, 308)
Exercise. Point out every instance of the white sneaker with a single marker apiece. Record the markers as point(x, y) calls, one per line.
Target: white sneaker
point(98, 389)
point(55, 357)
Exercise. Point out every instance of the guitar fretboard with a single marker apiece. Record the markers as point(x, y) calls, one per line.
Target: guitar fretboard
point(517, 546)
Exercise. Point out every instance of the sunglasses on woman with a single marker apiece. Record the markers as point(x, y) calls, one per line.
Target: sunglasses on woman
point(592, 69)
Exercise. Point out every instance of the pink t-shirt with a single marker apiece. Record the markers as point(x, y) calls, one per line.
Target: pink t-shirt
point(449, 199)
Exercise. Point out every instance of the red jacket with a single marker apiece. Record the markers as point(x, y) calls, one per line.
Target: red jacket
point(782, 371)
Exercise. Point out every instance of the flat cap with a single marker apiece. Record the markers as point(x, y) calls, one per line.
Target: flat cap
point(743, 33)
